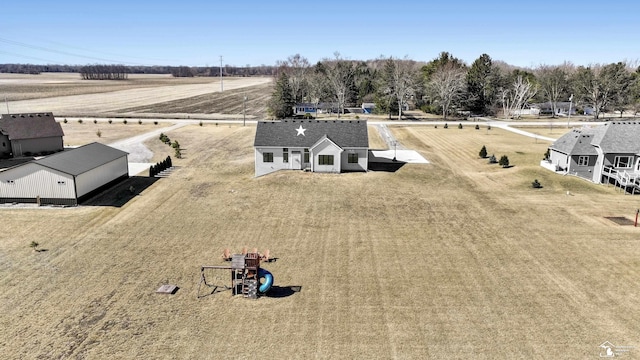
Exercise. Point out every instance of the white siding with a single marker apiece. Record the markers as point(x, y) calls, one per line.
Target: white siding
point(99, 176)
point(32, 180)
point(363, 160)
point(559, 159)
point(326, 147)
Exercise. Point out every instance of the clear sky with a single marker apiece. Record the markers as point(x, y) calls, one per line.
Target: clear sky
point(250, 32)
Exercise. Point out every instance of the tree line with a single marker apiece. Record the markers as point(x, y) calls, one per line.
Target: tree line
point(177, 71)
point(448, 86)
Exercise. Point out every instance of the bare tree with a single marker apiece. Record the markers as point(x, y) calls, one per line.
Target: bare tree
point(404, 81)
point(446, 86)
point(553, 82)
point(297, 69)
point(517, 97)
point(601, 86)
point(340, 74)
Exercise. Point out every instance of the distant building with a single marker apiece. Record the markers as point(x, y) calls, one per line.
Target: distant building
point(319, 146)
point(368, 108)
point(29, 134)
point(65, 178)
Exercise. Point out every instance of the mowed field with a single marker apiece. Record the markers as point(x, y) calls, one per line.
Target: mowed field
point(454, 259)
point(147, 96)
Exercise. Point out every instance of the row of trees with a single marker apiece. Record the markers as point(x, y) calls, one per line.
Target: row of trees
point(446, 85)
point(178, 71)
point(104, 72)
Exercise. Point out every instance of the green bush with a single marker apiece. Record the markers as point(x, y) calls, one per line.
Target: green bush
point(99, 133)
point(95, 121)
point(140, 122)
point(459, 125)
point(446, 126)
point(483, 152)
point(200, 123)
point(64, 121)
point(124, 121)
point(504, 161)
point(155, 123)
point(492, 159)
point(79, 121)
point(536, 184)
point(477, 127)
point(110, 121)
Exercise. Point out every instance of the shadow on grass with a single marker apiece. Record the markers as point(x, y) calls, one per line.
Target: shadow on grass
point(282, 291)
point(121, 193)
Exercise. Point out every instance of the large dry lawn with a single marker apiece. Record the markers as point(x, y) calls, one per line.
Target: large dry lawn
point(455, 259)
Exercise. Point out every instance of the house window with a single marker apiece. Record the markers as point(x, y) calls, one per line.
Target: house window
point(325, 159)
point(267, 157)
point(622, 162)
point(285, 155)
point(583, 160)
point(306, 155)
point(352, 158)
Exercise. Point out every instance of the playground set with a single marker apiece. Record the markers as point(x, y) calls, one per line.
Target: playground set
point(247, 277)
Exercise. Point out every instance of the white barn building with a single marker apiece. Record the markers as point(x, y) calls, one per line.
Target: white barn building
point(318, 146)
point(65, 178)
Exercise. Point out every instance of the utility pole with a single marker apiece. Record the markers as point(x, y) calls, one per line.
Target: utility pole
point(7, 103)
point(221, 87)
point(244, 111)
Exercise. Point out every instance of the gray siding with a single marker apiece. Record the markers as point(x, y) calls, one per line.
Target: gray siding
point(93, 179)
point(36, 146)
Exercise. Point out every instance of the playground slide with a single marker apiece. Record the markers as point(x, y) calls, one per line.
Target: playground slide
point(268, 280)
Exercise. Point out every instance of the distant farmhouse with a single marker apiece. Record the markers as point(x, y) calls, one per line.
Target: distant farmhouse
point(604, 154)
point(318, 146)
point(29, 134)
point(65, 178)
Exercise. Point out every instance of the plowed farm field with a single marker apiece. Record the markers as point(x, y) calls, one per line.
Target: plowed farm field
point(140, 96)
point(453, 259)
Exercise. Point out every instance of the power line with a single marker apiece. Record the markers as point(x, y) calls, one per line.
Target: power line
point(41, 48)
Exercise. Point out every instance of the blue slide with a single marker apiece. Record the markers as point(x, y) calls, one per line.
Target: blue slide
point(268, 280)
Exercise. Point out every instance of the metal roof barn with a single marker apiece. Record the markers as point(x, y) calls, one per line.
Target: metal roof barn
point(65, 178)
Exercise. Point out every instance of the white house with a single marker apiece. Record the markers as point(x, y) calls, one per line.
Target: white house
point(65, 178)
point(318, 146)
point(600, 154)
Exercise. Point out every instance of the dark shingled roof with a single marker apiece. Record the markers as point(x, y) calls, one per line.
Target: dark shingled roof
point(82, 159)
point(576, 142)
point(619, 137)
point(345, 133)
point(30, 126)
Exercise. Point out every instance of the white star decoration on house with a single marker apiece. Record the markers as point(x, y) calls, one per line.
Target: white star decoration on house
point(301, 131)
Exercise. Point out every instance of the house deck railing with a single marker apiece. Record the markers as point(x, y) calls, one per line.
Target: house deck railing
point(623, 178)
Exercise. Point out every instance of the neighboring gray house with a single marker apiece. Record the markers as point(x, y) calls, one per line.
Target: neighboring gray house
point(29, 134)
point(65, 178)
point(600, 154)
point(319, 146)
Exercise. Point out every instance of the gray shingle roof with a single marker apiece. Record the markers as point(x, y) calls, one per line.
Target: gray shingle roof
point(576, 142)
point(30, 126)
point(289, 133)
point(82, 159)
point(619, 137)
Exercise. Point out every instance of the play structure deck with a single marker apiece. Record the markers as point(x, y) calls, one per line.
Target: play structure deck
point(247, 277)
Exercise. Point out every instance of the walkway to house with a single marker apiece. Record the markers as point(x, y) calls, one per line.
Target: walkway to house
point(396, 150)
